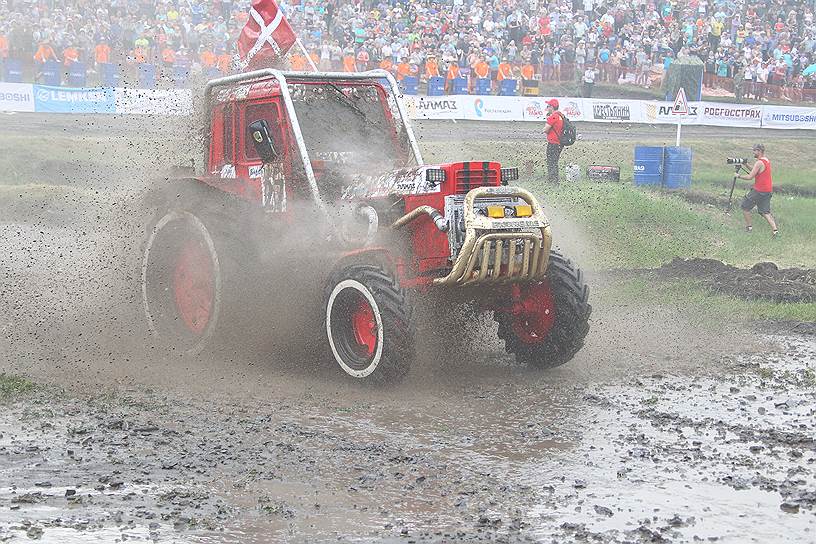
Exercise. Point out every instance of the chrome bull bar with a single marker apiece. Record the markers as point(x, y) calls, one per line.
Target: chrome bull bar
point(481, 260)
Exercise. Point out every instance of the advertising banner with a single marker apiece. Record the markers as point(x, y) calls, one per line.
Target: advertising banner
point(16, 97)
point(70, 100)
point(153, 101)
point(661, 112)
point(616, 111)
point(535, 109)
point(434, 107)
point(788, 117)
point(733, 115)
point(492, 108)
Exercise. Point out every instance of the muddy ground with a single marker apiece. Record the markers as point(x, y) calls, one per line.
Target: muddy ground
point(665, 428)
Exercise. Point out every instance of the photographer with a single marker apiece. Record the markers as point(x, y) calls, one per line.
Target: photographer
point(760, 194)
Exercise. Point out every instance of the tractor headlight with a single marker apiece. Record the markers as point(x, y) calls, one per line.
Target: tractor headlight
point(509, 174)
point(435, 175)
point(523, 210)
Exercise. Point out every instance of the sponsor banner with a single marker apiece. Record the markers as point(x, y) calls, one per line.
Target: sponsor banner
point(661, 112)
point(492, 108)
point(153, 101)
point(788, 117)
point(535, 109)
point(434, 107)
point(734, 115)
point(621, 111)
point(70, 100)
point(16, 97)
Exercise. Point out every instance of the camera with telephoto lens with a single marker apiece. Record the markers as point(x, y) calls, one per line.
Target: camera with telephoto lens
point(732, 160)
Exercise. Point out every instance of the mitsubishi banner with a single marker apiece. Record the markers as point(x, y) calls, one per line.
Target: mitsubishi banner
point(788, 117)
point(16, 97)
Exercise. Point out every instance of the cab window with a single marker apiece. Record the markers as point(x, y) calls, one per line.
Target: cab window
point(270, 112)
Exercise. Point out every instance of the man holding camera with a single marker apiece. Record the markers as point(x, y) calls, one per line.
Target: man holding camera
point(760, 194)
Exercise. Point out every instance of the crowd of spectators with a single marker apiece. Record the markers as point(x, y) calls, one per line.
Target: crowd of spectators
point(747, 46)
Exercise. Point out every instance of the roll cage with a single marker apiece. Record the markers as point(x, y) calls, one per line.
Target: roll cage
point(281, 78)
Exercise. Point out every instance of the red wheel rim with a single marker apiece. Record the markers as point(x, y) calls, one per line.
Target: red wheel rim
point(534, 313)
point(364, 326)
point(194, 286)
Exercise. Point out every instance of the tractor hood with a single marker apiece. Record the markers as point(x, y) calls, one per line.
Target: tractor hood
point(405, 181)
point(450, 178)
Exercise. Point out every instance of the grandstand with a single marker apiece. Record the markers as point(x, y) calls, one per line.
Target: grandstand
point(761, 50)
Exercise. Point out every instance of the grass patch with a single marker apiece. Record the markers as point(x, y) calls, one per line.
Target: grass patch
point(12, 386)
point(632, 228)
point(712, 308)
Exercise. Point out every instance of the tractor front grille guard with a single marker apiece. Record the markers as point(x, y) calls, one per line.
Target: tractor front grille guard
point(501, 250)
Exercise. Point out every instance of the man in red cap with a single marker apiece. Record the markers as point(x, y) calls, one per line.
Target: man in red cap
point(554, 127)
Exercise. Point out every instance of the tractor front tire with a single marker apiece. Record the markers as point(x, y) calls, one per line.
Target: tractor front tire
point(368, 324)
point(556, 321)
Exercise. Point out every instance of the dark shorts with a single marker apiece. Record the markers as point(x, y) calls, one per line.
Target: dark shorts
point(762, 201)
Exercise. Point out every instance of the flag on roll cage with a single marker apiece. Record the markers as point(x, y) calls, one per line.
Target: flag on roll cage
point(266, 37)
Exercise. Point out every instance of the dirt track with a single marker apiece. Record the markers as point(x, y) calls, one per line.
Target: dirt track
point(664, 428)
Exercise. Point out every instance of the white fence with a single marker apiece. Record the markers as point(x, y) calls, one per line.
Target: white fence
point(23, 97)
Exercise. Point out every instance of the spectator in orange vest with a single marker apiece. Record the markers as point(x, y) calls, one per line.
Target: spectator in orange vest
point(4, 47)
point(363, 59)
point(431, 67)
point(505, 70)
point(139, 55)
point(528, 72)
point(207, 58)
point(481, 69)
point(224, 63)
point(452, 73)
point(168, 56)
point(70, 55)
point(349, 64)
point(45, 52)
point(387, 64)
point(403, 69)
point(298, 62)
point(102, 52)
point(315, 56)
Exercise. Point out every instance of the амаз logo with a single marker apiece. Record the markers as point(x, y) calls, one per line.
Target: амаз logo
point(478, 105)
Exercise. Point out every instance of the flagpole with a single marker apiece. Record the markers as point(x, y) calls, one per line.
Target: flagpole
point(306, 54)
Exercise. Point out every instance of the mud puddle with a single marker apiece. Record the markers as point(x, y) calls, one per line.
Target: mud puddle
point(727, 454)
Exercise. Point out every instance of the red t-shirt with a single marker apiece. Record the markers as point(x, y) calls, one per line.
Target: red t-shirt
point(557, 127)
point(762, 182)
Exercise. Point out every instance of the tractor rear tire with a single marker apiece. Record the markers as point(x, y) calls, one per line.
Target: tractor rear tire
point(368, 321)
point(563, 292)
point(191, 281)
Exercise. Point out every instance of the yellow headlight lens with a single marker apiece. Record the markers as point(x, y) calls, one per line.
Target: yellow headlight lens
point(495, 212)
point(524, 211)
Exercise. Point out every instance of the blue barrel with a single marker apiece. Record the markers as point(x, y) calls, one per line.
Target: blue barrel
point(677, 168)
point(648, 168)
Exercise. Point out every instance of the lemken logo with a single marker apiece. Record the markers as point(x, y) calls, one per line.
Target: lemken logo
point(45, 95)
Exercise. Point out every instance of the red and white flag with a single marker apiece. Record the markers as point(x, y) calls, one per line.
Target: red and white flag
point(266, 37)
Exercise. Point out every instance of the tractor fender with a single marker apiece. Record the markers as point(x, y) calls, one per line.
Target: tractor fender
point(375, 254)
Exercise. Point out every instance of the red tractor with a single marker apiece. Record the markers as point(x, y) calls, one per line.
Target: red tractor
point(318, 175)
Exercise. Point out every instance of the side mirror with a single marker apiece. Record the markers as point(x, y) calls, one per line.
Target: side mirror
point(259, 132)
